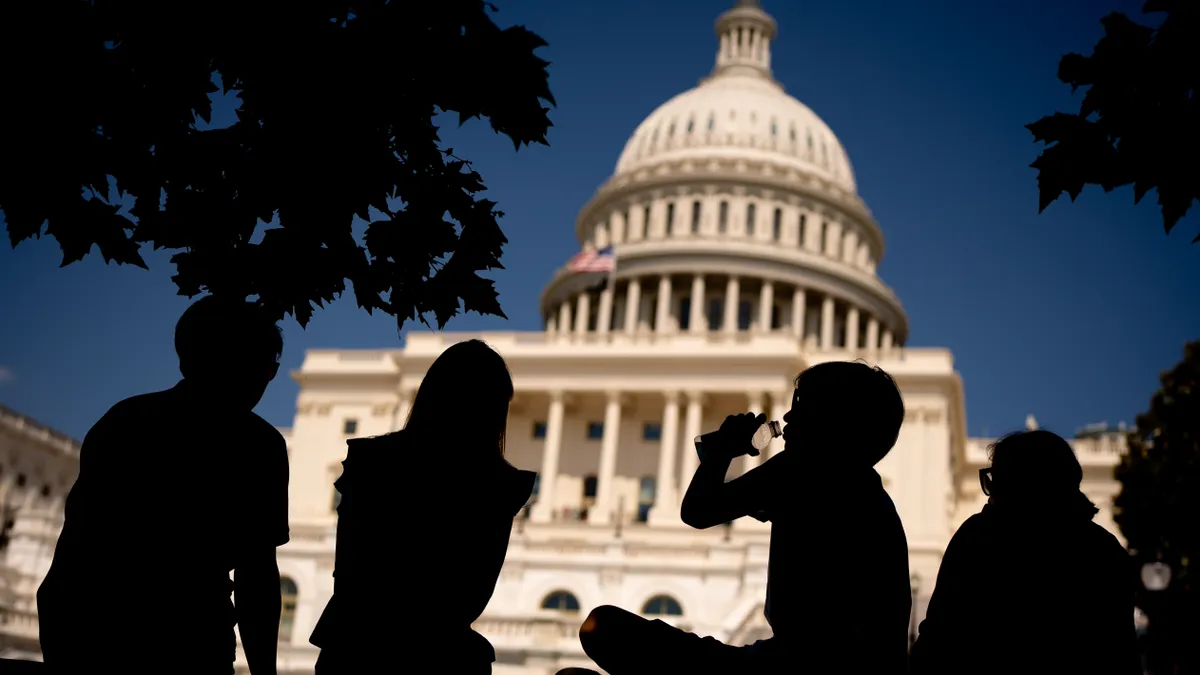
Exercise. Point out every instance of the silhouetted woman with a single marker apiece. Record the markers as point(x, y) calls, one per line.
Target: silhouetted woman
point(423, 526)
point(1030, 584)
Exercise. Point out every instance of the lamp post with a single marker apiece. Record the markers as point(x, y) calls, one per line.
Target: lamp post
point(1156, 578)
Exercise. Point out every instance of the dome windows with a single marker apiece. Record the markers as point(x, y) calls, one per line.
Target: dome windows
point(712, 120)
point(750, 213)
point(777, 225)
point(691, 124)
point(696, 217)
point(723, 218)
point(773, 129)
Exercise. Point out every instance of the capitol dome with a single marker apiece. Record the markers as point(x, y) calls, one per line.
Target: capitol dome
point(739, 113)
point(732, 211)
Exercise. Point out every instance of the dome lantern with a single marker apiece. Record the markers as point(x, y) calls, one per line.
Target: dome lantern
point(745, 33)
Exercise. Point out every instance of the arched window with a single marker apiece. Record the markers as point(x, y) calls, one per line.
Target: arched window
point(801, 240)
point(777, 225)
point(696, 217)
point(662, 605)
point(750, 213)
point(287, 610)
point(645, 222)
point(723, 218)
point(561, 601)
point(670, 217)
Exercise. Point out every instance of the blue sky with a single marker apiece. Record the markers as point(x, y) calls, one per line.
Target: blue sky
point(1069, 315)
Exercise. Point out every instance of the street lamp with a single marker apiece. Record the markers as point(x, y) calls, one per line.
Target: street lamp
point(1156, 576)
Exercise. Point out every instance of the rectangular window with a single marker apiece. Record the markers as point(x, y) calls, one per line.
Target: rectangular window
point(651, 431)
point(801, 239)
point(539, 429)
point(716, 318)
point(647, 492)
point(350, 426)
point(696, 217)
point(745, 311)
point(645, 221)
point(670, 217)
point(595, 431)
point(750, 213)
point(723, 218)
point(777, 225)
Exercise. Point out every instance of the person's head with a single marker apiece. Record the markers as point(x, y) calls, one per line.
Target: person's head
point(465, 395)
point(1032, 467)
point(231, 346)
point(847, 409)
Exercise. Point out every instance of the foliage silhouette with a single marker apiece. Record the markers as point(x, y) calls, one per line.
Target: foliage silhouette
point(1138, 123)
point(1159, 504)
point(337, 100)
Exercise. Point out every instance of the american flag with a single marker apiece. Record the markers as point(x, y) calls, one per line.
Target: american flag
point(592, 261)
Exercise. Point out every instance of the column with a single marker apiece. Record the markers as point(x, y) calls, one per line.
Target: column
point(781, 403)
point(732, 292)
point(827, 323)
point(602, 512)
point(696, 315)
point(564, 319)
point(582, 313)
point(885, 346)
point(551, 324)
point(662, 313)
point(604, 320)
point(755, 401)
point(633, 296)
point(872, 337)
point(618, 227)
point(852, 329)
point(798, 309)
point(666, 501)
point(691, 429)
point(543, 509)
point(403, 405)
point(766, 303)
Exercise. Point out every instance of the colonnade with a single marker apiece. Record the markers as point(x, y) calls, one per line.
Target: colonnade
point(682, 416)
point(756, 305)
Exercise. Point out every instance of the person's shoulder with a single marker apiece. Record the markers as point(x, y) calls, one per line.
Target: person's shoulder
point(262, 429)
point(1105, 542)
point(136, 411)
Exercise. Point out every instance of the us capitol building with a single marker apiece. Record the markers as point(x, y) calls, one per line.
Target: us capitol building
point(744, 254)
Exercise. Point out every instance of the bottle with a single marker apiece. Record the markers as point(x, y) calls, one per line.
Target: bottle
point(760, 440)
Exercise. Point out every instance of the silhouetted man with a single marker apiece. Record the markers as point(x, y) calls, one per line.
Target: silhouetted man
point(176, 489)
point(838, 594)
point(1031, 584)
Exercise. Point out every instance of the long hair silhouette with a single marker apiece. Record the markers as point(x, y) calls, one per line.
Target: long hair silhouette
point(465, 393)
